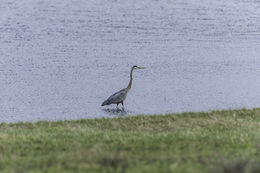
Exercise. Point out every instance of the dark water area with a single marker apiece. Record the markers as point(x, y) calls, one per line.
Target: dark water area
point(61, 59)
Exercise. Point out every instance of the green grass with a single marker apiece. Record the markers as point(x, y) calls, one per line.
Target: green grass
point(218, 141)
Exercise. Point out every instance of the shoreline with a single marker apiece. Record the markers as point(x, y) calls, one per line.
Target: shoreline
point(187, 142)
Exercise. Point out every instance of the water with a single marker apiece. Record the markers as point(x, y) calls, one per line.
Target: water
point(61, 59)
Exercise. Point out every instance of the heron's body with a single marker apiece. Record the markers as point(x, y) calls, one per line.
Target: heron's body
point(120, 96)
point(116, 98)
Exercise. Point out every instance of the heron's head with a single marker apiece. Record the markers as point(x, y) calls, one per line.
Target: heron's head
point(136, 67)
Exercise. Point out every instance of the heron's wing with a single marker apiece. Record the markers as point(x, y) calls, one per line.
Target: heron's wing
point(116, 97)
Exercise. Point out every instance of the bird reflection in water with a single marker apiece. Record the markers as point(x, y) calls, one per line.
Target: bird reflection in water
point(115, 111)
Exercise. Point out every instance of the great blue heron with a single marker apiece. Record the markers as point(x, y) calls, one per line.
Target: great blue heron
point(120, 96)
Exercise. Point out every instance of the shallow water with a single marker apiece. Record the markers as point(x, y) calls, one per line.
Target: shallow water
point(61, 59)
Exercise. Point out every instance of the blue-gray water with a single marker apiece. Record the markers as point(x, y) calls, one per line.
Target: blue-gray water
point(60, 59)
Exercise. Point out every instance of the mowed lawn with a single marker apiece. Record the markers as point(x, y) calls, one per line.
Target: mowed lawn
point(219, 141)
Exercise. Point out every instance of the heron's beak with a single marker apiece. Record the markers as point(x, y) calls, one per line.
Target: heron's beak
point(141, 67)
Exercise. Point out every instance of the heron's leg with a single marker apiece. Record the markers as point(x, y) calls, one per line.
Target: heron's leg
point(117, 106)
point(123, 107)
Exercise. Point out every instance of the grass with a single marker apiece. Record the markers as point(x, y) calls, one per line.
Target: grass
point(218, 141)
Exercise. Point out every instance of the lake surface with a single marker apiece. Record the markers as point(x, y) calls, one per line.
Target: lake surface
point(61, 59)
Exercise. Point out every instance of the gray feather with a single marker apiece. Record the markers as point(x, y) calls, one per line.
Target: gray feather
point(116, 98)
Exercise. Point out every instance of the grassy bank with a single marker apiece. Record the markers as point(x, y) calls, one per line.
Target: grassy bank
point(219, 141)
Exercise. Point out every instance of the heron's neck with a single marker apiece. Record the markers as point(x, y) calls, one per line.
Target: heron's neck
point(131, 79)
